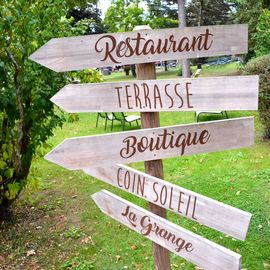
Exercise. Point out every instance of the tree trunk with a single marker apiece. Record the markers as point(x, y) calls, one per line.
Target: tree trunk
point(199, 60)
point(133, 70)
point(166, 65)
point(183, 23)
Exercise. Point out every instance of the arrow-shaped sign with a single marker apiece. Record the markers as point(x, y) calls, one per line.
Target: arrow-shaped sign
point(184, 202)
point(144, 46)
point(152, 144)
point(220, 93)
point(178, 240)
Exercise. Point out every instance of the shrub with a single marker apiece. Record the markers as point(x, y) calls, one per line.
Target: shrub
point(27, 116)
point(261, 37)
point(261, 67)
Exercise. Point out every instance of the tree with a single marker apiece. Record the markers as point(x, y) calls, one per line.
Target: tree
point(208, 12)
point(248, 11)
point(162, 14)
point(123, 16)
point(27, 116)
point(182, 24)
point(261, 37)
point(91, 15)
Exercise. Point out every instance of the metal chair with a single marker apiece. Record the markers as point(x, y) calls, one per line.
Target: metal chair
point(197, 114)
point(106, 116)
point(119, 116)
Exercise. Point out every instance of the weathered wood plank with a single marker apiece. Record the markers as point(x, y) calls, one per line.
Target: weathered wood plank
point(144, 46)
point(199, 94)
point(199, 208)
point(152, 144)
point(161, 256)
point(192, 247)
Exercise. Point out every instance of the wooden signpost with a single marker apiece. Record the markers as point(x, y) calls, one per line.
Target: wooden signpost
point(187, 94)
point(189, 204)
point(178, 240)
point(144, 46)
point(149, 96)
point(153, 143)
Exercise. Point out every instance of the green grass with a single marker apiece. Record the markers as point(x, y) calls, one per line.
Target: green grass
point(220, 70)
point(67, 230)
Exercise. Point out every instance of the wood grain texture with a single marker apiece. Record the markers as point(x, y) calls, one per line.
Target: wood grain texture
point(188, 245)
point(76, 53)
point(199, 94)
point(189, 204)
point(154, 167)
point(153, 144)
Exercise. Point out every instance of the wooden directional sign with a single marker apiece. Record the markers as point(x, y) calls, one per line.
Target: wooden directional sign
point(178, 240)
point(144, 46)
point(194, 206)
point(220, 93)
point(152, 144)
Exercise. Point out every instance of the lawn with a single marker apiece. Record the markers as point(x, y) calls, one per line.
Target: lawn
point(220, 70)
point(56, 224)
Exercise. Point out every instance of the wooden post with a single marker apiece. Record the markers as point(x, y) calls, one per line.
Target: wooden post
point(147, 71)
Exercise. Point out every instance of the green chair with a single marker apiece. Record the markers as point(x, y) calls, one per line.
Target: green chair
point(105, 116)
point(119, 116)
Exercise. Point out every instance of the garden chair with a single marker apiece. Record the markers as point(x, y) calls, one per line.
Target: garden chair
point(197, 114)
point(106, 116)
point(119, 116)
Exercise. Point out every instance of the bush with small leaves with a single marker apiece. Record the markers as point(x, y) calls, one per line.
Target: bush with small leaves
point(261, 67)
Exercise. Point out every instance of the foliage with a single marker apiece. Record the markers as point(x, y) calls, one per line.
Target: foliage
point(78, 264)
point(74, 233)
point(123, 16)
point(27, 116)
point(87, 76)
point(207, 12)
point(248, 11)
point(162, 14)
point(261, 37)
point(261, 66)
point(90, 14)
